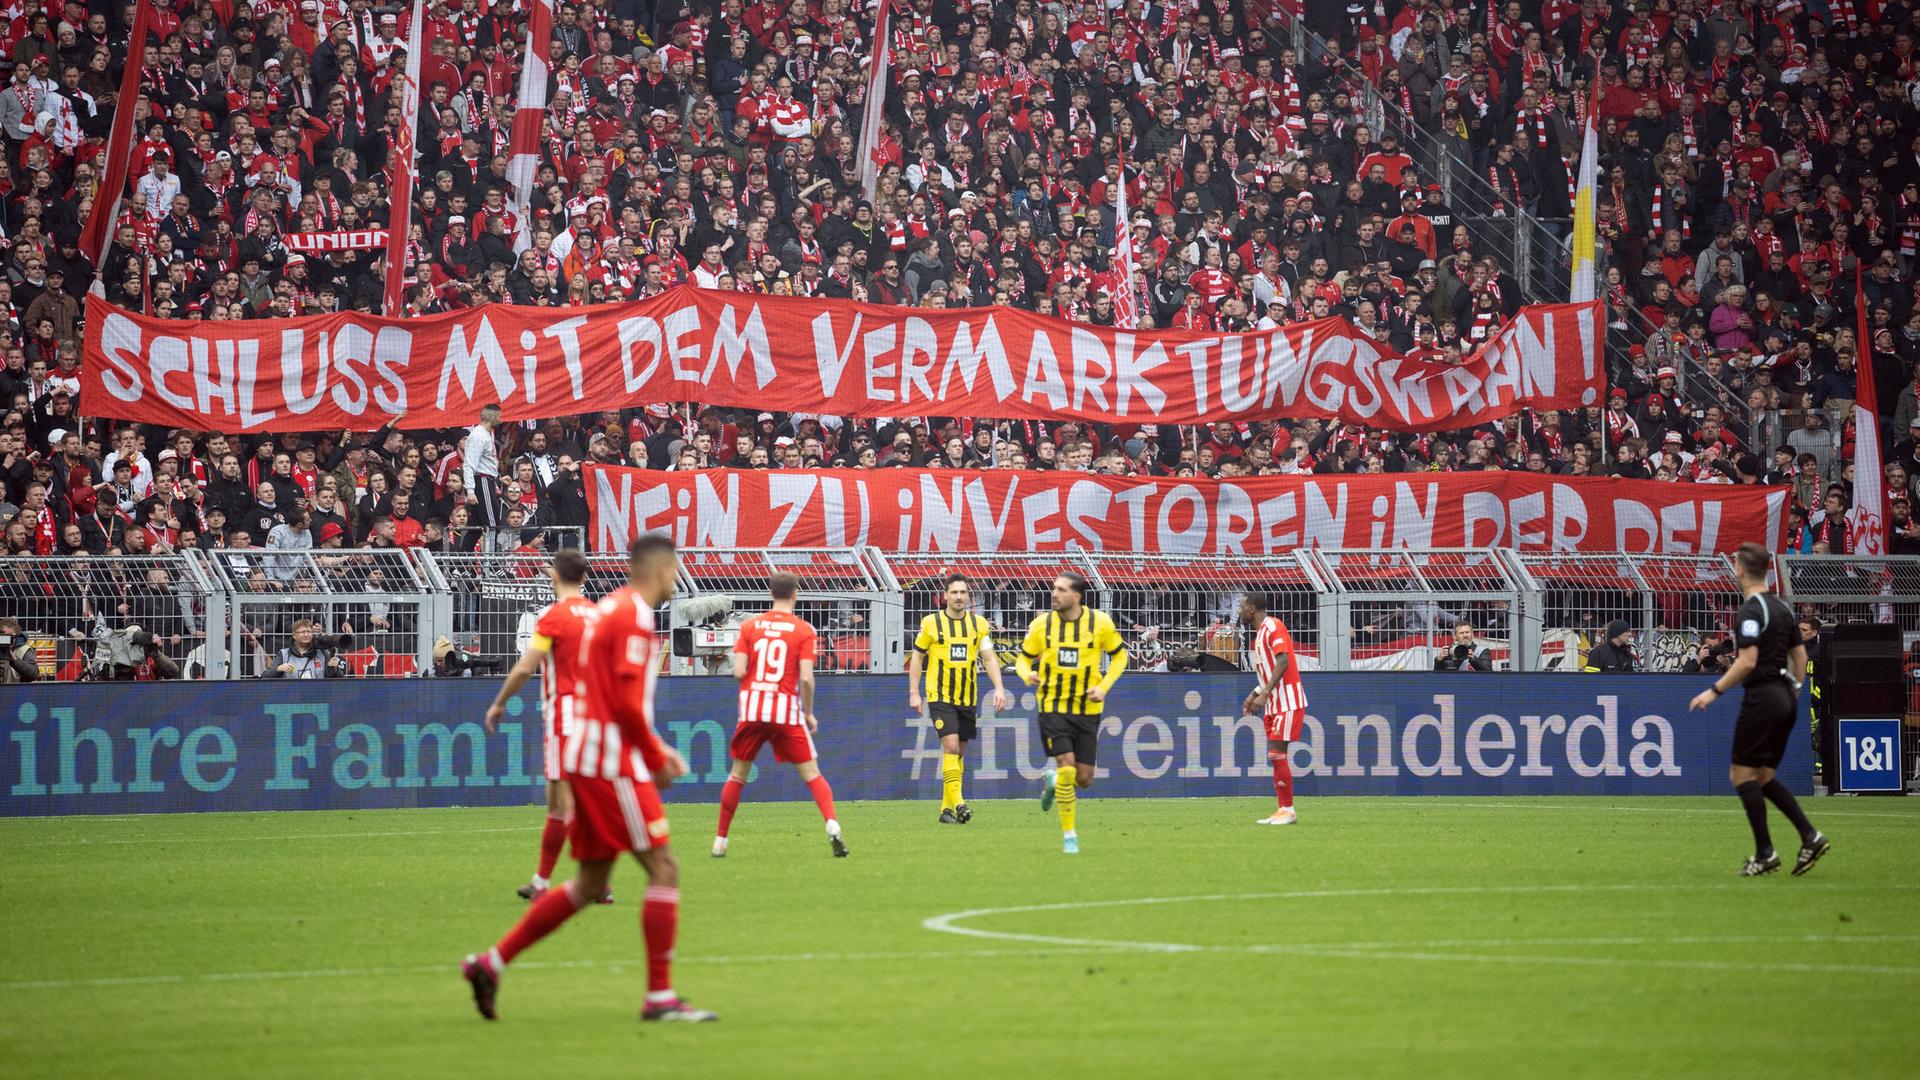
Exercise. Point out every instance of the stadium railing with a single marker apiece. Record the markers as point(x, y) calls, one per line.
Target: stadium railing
point(1396, 609)
point(848, 594)
point(74, 612)
point(1855, 588)
point(379, 610)
point(222, 614)
point(1183, 608)
point(1672, 603)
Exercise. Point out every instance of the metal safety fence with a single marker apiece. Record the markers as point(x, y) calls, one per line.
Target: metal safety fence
point(391, 612)
point(369, 611)
point(108, 616)
point(1674, 606)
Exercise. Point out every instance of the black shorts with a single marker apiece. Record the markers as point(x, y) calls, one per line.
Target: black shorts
point(961, 720)
point(1071, 733)
point(1761, 734)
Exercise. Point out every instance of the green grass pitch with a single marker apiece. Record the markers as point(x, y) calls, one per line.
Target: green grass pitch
point(1380, 937)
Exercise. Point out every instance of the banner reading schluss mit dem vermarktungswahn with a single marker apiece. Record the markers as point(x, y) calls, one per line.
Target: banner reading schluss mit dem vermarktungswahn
point(348, 744)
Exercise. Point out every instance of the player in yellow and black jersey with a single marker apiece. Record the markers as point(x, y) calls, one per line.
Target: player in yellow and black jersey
point(952, 645)
point(1073, 655)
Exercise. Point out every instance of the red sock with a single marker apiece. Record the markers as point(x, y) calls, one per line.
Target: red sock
point(552, 838)
point(1282, 779)
point(660, 922)
point(729, 802)
point(822, 796)
point(554, 907)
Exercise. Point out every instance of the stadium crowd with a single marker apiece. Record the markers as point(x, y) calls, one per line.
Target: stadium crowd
point(1756, 158)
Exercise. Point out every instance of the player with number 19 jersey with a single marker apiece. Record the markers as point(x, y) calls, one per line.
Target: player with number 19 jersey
point(773, 657)
point(773, 645)
point(1287, 705)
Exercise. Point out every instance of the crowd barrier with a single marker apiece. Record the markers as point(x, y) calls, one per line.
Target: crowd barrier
point(334, 745)
point(225, 615)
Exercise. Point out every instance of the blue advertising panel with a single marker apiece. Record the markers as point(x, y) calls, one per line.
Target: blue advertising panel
point(121, 748)
point(1869, 754)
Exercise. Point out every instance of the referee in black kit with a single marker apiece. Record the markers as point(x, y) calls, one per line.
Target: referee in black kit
point(1769, 664)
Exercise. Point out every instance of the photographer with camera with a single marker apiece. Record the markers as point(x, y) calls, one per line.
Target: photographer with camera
point(1466, 655)
point(312, 655)
point(1615, 655)
point(127, 654)
point(20, 666)
point(450, 661)
point(1713, 657)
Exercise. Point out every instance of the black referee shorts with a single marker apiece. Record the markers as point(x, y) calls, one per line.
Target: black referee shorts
point(1071, 733)
point(961, 720)
point(1761, 734)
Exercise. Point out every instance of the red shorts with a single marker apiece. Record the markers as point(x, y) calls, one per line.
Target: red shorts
point(615, 816)
point(791, 743)
point(1285, 727)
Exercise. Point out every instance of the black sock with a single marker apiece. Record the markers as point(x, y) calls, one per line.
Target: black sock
point(1777, 794)
point(1756, 804)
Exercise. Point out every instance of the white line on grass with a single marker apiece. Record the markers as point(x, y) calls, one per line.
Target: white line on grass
point(1476, 804)
point(450, 969)
point(1419, 950)
point(247, 838)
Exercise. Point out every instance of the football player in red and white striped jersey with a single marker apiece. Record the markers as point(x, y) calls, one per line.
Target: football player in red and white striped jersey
point(612, 760)
point(773, 659)
point(1279, 698)
point(554, 655)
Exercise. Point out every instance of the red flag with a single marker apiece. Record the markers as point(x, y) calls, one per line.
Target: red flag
point(97, 234)
point(523, 147)
point(401, 165)
point(1126, 311)
point(1867, 520)
point(874, 110)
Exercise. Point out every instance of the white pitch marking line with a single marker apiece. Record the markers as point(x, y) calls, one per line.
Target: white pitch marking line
point(948, 923)
point(142, 841)
point(524, 965)
point(1612, 961)
point(1441, 803)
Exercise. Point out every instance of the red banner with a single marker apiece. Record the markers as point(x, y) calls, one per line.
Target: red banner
point(804, 355)
point(909, 510)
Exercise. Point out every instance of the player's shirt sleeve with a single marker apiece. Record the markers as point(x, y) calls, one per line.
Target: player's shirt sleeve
point(545, 629)
point(1106, 636)
point(807, 648)
point(925, 640)
point(744, 639)
point(1036, 638)
point(1750, 622)
point(983, 635)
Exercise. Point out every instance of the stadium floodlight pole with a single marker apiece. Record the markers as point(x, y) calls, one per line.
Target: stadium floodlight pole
point(96, 236)
point(523, 147)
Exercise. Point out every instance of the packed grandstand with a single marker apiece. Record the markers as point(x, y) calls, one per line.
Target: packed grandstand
point(1408, 167)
